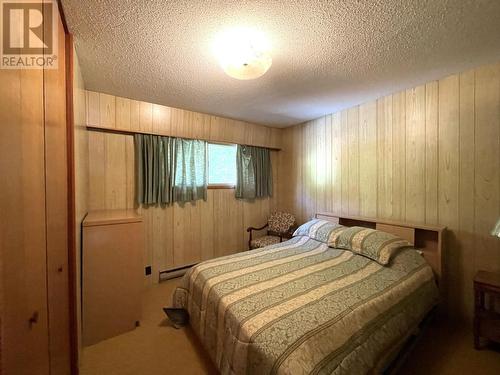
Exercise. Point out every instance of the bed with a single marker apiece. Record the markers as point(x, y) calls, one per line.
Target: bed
point(303, 307)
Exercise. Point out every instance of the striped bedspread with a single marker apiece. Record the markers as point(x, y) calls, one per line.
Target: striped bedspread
point(300, 307)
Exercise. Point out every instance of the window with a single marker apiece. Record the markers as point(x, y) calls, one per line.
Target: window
point(221, 165)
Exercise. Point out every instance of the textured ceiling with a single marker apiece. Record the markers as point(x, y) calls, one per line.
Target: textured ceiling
point(327, 55)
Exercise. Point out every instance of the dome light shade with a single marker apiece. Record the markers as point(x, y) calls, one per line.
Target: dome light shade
point(243, 53)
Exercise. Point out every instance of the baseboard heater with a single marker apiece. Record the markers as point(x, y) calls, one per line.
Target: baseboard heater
point(174, 272)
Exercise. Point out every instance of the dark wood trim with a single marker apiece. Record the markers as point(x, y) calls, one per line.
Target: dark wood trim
point(72, 261)
point(221, 186)
point(132, 132)
point(63, 17)
point(250, 229)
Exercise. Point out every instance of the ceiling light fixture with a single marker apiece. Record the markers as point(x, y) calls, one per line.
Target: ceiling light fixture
point(243, 53)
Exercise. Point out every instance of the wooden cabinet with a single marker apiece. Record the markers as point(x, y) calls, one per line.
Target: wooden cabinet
point(113, 242)
point(486, 318)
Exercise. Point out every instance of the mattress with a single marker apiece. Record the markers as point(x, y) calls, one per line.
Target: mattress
point(300, 307)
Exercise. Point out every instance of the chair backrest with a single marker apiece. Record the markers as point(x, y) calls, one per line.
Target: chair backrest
point(281, 222)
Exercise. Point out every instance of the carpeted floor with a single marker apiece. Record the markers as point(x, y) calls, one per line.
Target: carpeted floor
point(157, 348)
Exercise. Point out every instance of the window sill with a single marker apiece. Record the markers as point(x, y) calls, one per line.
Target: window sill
point(221, 186)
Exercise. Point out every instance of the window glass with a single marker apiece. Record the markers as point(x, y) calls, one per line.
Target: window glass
point(221, 164)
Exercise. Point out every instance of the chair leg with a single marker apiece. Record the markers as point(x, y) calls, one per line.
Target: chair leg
point(250, 240)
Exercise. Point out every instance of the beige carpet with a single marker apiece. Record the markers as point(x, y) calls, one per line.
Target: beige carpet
point(157, 348)
point(153, 348)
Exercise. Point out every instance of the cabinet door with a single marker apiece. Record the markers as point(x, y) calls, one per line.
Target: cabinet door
point(112, 279)
point(23, 290)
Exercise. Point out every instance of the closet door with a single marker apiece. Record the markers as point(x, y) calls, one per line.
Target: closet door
point(56, 177)
point(23, 289)
point(34, 294)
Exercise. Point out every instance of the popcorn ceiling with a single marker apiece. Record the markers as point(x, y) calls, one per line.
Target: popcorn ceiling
point(327, 55)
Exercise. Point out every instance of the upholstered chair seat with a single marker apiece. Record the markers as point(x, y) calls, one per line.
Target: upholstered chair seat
point(264, 241)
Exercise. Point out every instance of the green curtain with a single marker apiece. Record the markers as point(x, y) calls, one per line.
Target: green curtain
point(169, 169)
point(191, 170)
point(254, 172)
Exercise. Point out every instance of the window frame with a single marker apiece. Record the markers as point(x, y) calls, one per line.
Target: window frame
point(221, 186)
point(218, 185)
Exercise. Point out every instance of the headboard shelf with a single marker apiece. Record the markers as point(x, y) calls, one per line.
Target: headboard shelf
point(426, 238)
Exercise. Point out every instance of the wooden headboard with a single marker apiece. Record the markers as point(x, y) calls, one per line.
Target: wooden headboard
point(426, 238)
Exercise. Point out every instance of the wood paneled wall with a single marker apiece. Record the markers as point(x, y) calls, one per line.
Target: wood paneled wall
point(430, 154)
point(176, 235)
point(112, 112)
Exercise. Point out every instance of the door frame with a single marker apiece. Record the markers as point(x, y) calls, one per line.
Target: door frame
point(74, 335)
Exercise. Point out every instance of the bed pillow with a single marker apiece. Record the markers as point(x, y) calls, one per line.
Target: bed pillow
point(320, 230)
point(374, 244)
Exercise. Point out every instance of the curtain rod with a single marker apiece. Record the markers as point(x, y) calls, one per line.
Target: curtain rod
point(132, 132)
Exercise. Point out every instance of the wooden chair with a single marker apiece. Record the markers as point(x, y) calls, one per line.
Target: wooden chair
point(280, 225)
